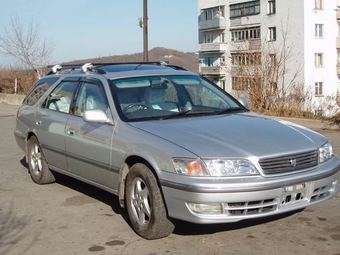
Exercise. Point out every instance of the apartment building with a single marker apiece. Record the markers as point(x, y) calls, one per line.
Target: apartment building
point(304, 33)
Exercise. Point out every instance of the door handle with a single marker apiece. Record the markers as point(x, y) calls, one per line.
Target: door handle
point(70, 131)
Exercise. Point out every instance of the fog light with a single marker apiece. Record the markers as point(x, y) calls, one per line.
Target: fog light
point(212, 208)
point(334, 186)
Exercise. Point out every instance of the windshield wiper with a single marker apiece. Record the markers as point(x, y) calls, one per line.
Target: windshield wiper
point(230, 110)
point(186, 113)
point(193, 112)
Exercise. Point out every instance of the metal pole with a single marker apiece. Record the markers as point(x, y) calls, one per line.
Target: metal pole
point(16, 86)
point(145, 31)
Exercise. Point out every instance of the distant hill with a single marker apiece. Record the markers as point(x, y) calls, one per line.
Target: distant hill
point(188, 60)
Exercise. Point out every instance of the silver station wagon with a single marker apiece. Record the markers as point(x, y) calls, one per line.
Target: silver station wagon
point(172, 145)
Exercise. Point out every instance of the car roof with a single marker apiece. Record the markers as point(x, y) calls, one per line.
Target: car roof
point(119, 70)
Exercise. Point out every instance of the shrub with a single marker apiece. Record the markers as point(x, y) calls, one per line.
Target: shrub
point(335, 120)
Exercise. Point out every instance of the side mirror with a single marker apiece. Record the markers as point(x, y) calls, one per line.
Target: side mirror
point(96, 115)
point(243, 101)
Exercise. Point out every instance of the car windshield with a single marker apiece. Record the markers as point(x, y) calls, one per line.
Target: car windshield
point(164, 97)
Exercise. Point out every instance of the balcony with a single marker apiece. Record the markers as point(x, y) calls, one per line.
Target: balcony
point(245, 21)
point(338, 70)
point(251, 45)
point(213, 47)
point(216, 23)
point(213, 70)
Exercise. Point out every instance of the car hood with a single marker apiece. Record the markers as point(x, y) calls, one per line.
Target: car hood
point(237, 135)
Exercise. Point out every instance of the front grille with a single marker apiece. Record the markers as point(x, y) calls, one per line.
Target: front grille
point(289, 163)
point(250, 207)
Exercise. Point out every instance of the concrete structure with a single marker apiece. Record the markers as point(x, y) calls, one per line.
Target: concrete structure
point(306, 30)
point(14, 99)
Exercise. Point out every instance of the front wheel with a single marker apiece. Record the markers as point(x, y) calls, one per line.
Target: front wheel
point(145, 205)
point(37, 165)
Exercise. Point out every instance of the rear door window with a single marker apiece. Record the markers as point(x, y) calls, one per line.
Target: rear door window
point(61, 97)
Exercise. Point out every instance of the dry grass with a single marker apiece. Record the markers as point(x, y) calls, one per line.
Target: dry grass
point(23, 78)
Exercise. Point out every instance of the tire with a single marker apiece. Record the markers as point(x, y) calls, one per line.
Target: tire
point(37, 165)
point(145, 205)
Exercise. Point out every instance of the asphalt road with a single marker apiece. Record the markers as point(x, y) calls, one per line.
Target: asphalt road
point(69, 217)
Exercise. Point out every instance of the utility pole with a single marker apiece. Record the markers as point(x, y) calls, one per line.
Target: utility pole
point(145, 31)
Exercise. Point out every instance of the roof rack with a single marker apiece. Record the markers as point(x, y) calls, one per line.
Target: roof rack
point(84, 67)
point(63, 68)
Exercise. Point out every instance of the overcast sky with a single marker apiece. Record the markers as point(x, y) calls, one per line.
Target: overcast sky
point(83, 29)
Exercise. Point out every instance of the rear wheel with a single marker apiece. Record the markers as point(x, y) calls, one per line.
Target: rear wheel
point(37, 165)
point(145, 204)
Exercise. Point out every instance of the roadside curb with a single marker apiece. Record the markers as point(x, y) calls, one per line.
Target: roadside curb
point(14, 99)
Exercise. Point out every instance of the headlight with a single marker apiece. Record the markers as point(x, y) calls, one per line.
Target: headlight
point(325, 152)
point(231, 167)
point(214, 167)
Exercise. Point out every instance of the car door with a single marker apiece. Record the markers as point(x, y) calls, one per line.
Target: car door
point(50, 122)
point(88, 145)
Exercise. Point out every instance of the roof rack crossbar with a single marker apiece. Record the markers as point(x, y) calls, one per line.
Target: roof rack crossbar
point(84, 67)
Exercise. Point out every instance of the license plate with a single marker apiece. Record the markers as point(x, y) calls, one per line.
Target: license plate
point(294, 194)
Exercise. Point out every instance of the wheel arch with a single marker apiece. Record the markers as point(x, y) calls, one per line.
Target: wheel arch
point(28, 136)
point(124, 171)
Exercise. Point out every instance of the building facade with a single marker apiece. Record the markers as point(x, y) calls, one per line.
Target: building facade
point(291, 43)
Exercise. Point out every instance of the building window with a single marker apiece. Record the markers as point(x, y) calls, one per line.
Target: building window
point(246, 59)
point(246, 34)
point(338, 28)
point(209, 61)
point(318, 88)
point(201, 62)
point(222, 84)
point(220, 12)
point(272, 60)
point(222, 38)
point(207, 14)
point(242, 82)
point(244, 9)
point(212, 13)
point(319, 30)
point(271, 7)
point(318, 4)
point(338, 57)
point(208, 38)
point(272, 34)
point(318, 59)
point(238, 83)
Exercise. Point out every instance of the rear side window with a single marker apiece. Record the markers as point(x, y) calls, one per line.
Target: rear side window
point(39, 88)
point(61, 97)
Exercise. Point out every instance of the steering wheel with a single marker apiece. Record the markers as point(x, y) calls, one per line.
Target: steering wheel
point(139, 106)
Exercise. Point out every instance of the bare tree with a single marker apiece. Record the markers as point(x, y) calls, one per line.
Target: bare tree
point(268, 74)
point(25, 46)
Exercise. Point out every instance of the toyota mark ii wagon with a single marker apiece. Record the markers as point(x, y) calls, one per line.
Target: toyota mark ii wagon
point(171, 145)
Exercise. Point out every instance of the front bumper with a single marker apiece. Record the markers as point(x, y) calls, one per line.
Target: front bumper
point(222, 200)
